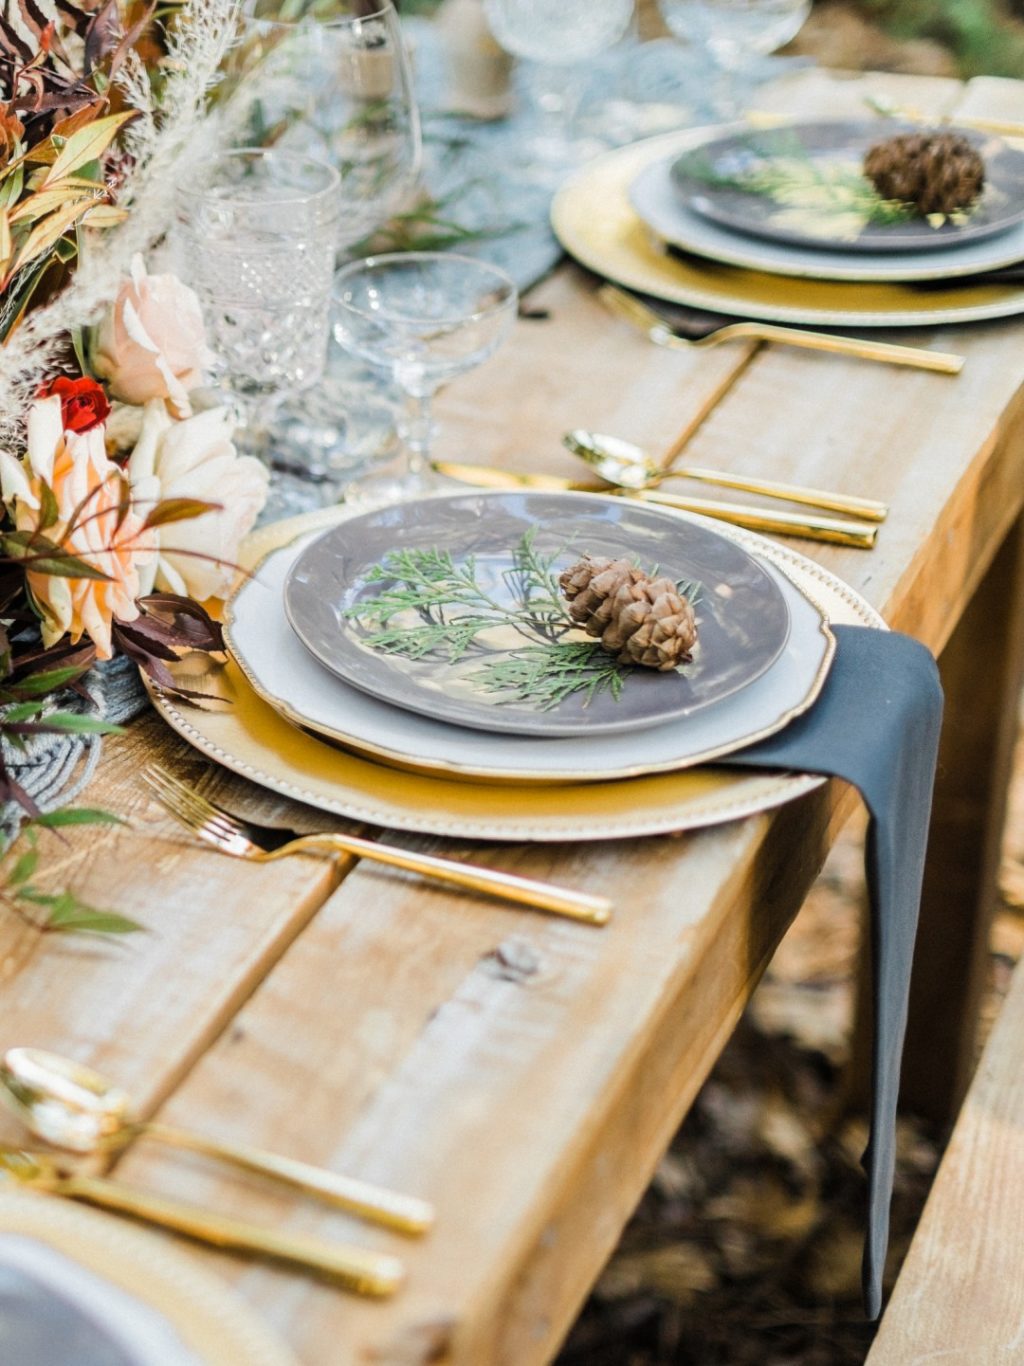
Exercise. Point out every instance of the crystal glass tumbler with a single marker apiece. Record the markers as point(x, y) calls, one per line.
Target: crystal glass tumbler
point(256, 242)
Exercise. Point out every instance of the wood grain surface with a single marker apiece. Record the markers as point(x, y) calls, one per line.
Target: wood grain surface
point(960, 1296)
point(523, 1072)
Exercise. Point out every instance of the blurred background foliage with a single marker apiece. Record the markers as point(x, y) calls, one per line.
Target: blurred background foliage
point(984, 37)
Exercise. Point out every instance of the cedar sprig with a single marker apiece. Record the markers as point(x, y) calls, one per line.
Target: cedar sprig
point(430, 606)
point(543, 676)
point(794, 179)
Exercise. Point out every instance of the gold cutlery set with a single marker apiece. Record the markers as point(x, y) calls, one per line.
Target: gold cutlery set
point(71, 1107)
point(629, 472)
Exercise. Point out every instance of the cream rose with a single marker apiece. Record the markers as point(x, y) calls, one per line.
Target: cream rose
point(196, 458)
point(75, 466)
point(152, 343)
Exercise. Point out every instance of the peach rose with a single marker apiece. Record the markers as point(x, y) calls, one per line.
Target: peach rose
point(75, 466)
point(152, 343)
point(196, 458)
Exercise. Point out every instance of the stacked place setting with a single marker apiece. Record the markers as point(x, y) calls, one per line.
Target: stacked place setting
point(419, 665)
point(835, 223)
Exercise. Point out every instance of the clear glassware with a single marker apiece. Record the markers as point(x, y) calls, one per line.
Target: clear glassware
point(560, 36)
point(256, 241)
point(333, 83)
point(733, 33)
point(425, 317)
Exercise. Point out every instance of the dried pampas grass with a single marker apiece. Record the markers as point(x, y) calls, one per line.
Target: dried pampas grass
point(165, 144)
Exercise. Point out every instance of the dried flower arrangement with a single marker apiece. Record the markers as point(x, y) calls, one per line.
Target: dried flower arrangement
point(123, 502)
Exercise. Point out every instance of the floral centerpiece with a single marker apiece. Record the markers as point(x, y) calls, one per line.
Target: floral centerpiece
point(123, 497)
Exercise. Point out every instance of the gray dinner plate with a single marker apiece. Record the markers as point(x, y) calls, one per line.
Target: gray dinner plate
point(742, 616)
point(999, 207)
point(665, 211)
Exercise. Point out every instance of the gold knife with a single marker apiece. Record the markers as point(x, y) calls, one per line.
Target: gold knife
point(832, 530)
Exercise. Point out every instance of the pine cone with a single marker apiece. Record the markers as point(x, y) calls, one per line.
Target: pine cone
point(639, 619)
point(936, 172)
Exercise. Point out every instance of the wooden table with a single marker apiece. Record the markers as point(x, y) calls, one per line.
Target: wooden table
point(523, 1072)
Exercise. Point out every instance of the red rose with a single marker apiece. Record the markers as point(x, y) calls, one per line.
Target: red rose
point(83, 404)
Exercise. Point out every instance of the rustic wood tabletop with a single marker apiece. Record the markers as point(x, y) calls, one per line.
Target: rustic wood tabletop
point(522, 1072)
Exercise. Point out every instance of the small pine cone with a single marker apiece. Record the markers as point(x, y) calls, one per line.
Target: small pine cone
point(936, 172)
point(639, 619)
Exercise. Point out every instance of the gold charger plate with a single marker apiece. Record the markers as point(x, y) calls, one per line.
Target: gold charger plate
point(212, 1322)
point(251, 739)
point(594, 220)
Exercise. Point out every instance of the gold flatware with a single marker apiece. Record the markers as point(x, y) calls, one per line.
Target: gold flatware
point(889, 109)
point(657, 330)
point(628, 466)
point(830, 530)
point(71, 1106)
point(358, 1269)
point(266, 843)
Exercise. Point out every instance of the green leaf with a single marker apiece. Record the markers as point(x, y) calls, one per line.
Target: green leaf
point(49, 509)
point(78, 343)
point(12, 187)
point(24, 868)
point(81, 919)
point(77, 815)
point(38, 898)
point(21, 711)
point(44, 556)
point(79, 725)
point(67, 567)
point(38, 685)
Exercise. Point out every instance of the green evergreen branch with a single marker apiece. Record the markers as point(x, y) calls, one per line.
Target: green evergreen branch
point(543, 676)
point(429, 606)
point(793, 179)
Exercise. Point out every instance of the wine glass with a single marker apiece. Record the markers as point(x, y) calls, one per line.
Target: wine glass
point(333, 82)
point(733, 33)
point(257, 243)
point(559, 35)
point(426, 317)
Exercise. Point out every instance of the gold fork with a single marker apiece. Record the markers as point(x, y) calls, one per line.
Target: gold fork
point(640, 315)
point(266, 843)
point(356, 1268)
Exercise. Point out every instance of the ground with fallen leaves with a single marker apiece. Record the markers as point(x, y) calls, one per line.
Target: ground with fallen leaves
point(745, 1250)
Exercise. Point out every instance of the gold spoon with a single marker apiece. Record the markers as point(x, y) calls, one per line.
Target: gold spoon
point(620, 462)
point(356, 1268)
point(70, 1106)
point(829, 530)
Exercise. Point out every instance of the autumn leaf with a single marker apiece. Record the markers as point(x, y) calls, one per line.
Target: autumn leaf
point(47, 232)
point(86, 145)
point(178, 510)
point(48, 201)
point(105, 216)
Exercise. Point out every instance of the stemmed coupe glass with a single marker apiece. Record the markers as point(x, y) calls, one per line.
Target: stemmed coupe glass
point(560, 36)
point(425, 317)
point(732, 33)
point(257, 243)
